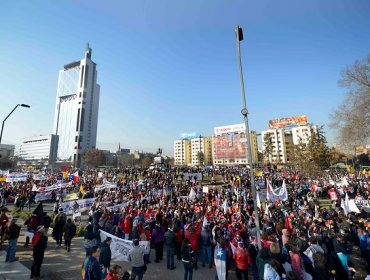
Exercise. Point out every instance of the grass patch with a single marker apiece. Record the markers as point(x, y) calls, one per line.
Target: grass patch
point(24, 215)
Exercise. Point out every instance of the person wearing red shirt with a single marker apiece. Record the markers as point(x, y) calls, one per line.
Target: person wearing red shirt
point(127, 227)
point(242, 261)
point(193, 233)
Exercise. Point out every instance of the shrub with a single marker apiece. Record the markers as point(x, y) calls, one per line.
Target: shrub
point(81, 229)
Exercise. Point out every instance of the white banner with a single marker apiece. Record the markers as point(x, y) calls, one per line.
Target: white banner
point(40, 177)
point(42, 196)
point(16, 177)
point(121, 247)
point(117, 207)
point(83, 205)
point(191, 176)
point(106, 185)
point(57, 186)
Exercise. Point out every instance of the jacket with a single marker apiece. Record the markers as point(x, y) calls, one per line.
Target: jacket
point(206, 238)
point(270, 273)
point(93, 271)
point(194, 238)
point(136, 256)
point(170, 239)
point(105, 254)
point(69, 231)
point(242, 258)
point(111, 277)
point(12, 231)
point(186, 253)
point(157, 235)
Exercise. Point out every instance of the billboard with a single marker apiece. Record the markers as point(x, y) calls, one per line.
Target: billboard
point(285, 122)
point(229, 128)
point(228, 147)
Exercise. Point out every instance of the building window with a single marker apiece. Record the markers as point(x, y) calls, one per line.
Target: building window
point(78, 119)
point(82, 75)
point(86, 75)
point(82, 119)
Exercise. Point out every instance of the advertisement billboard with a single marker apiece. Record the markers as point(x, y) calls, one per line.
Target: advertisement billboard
point(229, 129)
point(285, 122)
point(230, 146)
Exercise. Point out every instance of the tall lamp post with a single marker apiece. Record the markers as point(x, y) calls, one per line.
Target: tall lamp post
point(2, 127)
point(239, 37)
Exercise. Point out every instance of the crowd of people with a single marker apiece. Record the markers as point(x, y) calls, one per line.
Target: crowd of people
point(215, 225)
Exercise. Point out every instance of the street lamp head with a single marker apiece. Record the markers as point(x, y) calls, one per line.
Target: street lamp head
point(239, 33)
point(25, 105)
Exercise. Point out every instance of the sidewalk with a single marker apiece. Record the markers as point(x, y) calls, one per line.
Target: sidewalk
point(12, 271)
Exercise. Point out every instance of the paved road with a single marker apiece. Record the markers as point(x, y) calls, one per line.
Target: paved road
point(59, 264)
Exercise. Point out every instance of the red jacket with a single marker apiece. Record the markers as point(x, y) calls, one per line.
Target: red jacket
point(127, 226)
point(194, 238)
point(242, 258)
point(112, 277)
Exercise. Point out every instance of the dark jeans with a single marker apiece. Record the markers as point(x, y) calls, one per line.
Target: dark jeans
point(59, 238)
point(137, 271)
point(178, 250)
point(170, 258)
point(207, 252)
point(38, 258)
point(240, 273)
point(158, 251)
point(195, 264)
point(188, 274)
point(67, 243)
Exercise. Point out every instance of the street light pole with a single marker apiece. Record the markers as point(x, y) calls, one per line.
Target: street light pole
point(239, 37)
point(2, 127)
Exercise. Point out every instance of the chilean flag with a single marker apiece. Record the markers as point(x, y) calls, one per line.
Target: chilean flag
point(74, 177)
point(220, 262)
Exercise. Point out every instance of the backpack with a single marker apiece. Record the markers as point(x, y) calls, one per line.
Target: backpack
point(35, 239)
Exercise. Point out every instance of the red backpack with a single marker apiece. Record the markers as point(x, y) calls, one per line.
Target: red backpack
point(35, 239)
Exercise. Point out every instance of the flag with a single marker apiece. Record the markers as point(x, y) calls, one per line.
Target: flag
point(76, 177)
point(258, 173)
point(345, 205)
point(269, 194)
point(205, 221)
point(267, 210)
point(225, 206)
point(258, 200)
point(352, 207)
point(220, 262)
point(192, 194)
point(283, 195)
point(39, 210)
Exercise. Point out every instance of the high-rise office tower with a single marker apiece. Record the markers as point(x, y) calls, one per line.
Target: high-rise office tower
point(76, 110)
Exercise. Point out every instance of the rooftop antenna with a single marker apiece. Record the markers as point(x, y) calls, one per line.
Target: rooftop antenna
point(88, 51)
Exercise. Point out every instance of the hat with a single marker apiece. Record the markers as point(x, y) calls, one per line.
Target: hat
point(108, 239)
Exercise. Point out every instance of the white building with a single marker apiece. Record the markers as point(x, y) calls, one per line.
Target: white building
point(302, 133)
point(201, 145)
point(38, 150)
point(182, 152)
point(278, 143)
point(76, 110)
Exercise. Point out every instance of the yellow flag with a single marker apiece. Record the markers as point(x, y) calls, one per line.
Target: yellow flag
point(258, 173)
point(350, 170)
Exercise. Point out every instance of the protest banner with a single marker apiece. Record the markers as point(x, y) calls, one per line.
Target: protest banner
point(121, 247)
point(16, 177)
point(205, 189)
point(42, 196)
point(191, 176)
point(70, 196)
point(40, 177)
point(83, 205)
point(57, 186)
point(117, 207)
point(362, 202)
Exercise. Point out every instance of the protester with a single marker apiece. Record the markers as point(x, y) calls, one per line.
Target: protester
point(59, 222)
point(92, 268)
point(187, 259)
point(39, 244)
point(157, 240)
point(114, 272)
point(32, 223)
point(105, 255)
point(11, 234)
point(170, 242)
point(206, 246)
point(136, 258)
point(89, 239)
point(69, 231)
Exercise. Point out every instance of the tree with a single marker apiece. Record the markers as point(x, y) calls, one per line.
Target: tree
point(94, 157)
point(267, 152)
point(337, 156)
point(352, 117)
point(200, 158)
point(146, 161)
point(312, 157)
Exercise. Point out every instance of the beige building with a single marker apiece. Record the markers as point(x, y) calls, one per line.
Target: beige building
point(201, 145)
point(182, 152)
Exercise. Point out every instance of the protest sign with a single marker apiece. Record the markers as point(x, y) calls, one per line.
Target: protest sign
point(121, 247)
point(16, 177)
point(83, 205)
point(70, 196)
point(43, 196)
point(190, 176)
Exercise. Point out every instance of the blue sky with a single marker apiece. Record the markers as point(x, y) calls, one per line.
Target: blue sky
point(168, 67)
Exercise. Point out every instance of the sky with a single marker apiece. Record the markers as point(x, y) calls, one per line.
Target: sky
point(170, 67)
